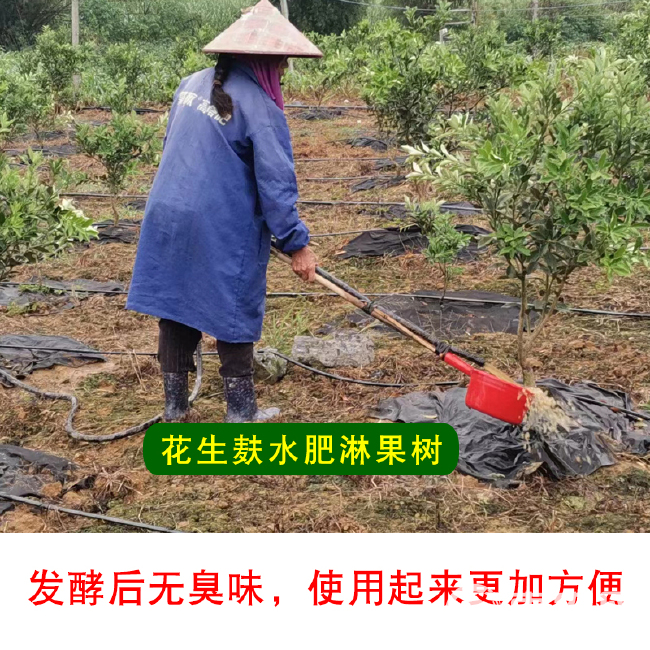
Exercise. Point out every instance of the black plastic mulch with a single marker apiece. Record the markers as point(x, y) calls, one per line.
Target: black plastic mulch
point(492, 450)
point(126, 232)
point(313, 114)
point(22, 472)
point(79, 286)
point(44, 137)
point(369, 141)
point(29, 292)
point(18, 356)
point(451, 319)
point(396, 241)
point(137, 204)
point(55, 151)
point(390, 164)
point(377, 182)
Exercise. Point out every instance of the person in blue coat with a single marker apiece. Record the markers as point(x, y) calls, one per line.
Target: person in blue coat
point(226, 184)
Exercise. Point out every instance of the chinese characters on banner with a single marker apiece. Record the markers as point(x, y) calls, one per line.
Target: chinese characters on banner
point(124, 588)
point(206, 449)
point(354, 450)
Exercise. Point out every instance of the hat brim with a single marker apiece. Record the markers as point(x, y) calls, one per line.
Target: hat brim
point(208, 50)
point(263, 31)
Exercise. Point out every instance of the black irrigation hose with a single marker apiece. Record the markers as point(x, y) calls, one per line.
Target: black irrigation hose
point(363, 382)
point(481, 301)
point(397, 163)
point(5, 376)
point(600, 312)
point(348, 108)
point(98, 195)
point(596, 402)
point(324, 294)
point(124, 353)
point(316, 371)
point(330, 179)
point(158, 110)
point(318, 294)
point(89, 515)
point(108, 109)
point(8, 378)
point(345, 232)
point(445, 207)
point(333, 179)
point(587, 400)
point(323, 202)
point(383, 159)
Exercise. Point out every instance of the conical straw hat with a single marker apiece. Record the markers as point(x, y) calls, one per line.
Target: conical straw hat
point(263, 30)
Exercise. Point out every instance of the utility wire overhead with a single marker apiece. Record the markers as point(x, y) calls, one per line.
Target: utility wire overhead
point(376, 6)
point(496, 10)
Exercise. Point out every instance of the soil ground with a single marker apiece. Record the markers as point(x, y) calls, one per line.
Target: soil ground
point(113, 480)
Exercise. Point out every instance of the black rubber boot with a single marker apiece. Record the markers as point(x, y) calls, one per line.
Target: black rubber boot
point(176, 396)
point(241, 403)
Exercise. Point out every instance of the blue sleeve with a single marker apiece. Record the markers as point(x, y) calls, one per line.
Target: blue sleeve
point(277, 187)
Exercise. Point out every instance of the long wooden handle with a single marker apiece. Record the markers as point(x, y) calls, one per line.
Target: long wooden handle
point(376, 312)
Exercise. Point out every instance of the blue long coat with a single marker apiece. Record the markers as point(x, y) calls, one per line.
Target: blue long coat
point(222, 188)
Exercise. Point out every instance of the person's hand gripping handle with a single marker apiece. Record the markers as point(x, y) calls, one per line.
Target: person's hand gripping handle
point(303, 263)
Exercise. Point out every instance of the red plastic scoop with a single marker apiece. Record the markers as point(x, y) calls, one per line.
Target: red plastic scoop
point(490, 395)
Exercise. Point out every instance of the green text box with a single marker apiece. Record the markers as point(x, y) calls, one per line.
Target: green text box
point(299, 449)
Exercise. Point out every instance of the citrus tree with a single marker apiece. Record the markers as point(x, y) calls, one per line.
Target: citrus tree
point(26, 105)
point(119, 146)
point(542, 37)
point(560, 168)
point(633, 38)
point(35, 222)
point(127, 61)
point(58, 61)
point(490, 63)
point(402, 78)
point(411, 80)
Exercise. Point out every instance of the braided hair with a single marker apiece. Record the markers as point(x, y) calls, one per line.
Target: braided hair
point(220, 99)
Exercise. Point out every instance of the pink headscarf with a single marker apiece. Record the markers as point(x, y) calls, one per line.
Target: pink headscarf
point(267, 71)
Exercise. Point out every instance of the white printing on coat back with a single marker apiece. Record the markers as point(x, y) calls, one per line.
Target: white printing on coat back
point(187, 98)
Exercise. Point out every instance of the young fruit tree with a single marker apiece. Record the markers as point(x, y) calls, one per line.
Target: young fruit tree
point(127, 61)
point(35, 222)
point(119, 146)
point(25, 104)
point(319, 78)
point(408, 76)
point(412, 82)
point(58, 61)
point(444, 240)
point(560, 168)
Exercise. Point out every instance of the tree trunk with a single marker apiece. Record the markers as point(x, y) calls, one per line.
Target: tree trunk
point(445, 282)
point(116, 214)
point(527, 372)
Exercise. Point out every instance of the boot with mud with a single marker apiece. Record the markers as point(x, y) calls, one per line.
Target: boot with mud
point(177, 406)
point(241, 402)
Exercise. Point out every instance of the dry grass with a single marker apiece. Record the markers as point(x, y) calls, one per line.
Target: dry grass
point(114, 480)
